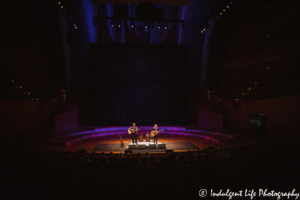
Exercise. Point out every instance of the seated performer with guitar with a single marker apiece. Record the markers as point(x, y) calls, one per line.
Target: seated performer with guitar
point(154, 133)
point(132, 130)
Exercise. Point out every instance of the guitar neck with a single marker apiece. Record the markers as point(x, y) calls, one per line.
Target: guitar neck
point(156, 132)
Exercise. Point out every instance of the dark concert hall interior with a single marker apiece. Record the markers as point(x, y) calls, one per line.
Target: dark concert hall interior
point(150, 99)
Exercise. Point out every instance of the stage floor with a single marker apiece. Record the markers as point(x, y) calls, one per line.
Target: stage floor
point(116, 147)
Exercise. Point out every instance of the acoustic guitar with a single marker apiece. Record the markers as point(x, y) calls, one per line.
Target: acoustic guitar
point(121, 140)
point(132, 130)
point(154, 133)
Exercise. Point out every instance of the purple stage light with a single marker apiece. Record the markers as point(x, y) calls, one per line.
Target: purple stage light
point(72, 134)
point(143, 128)
point(90, 136)
point(191, 134)
point(209, 132)
point(110, 131)
point(123, 130)
point(106, 134)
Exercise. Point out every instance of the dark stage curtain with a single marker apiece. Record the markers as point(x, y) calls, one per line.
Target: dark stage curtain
point(141, 83)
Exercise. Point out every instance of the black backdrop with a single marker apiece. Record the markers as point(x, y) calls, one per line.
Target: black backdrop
point(141, 83)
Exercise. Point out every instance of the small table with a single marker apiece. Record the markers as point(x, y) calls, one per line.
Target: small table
point(141, 138)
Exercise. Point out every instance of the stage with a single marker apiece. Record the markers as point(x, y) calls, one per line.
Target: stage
point(107, 139)
point(179, 146)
